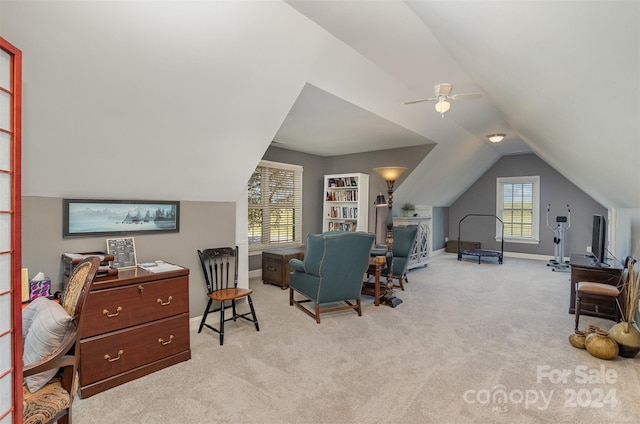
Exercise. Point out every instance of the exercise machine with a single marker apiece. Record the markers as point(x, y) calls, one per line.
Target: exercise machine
point(558, 263)
point(481, 252)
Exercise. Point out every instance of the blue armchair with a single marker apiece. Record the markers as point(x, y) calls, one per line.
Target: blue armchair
point(404, 238)
point(332, 271)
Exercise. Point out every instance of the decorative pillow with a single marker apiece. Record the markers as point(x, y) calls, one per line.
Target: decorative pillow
point(28, 314)
point(48, 325)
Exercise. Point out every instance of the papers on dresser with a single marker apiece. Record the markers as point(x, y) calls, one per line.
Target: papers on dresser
point(159, 266)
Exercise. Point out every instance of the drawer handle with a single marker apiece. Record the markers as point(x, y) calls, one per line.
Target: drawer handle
point(110, 359)
point(163, 343)
point(115, 314)
point(165, 303)
point(271, 268)
point(140, 289)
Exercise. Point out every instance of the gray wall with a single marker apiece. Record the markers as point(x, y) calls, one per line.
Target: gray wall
point(439, 227)
point(202, 225)
point(554, 188)
point(315, 167)
point(365, 162)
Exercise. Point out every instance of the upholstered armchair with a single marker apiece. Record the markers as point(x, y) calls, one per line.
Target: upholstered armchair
point(332, 272)
point(51, 352)
point(404, 238)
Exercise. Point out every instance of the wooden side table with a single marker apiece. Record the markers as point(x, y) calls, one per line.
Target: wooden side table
point(275, 265)
point(373, 288)
point(583, 268)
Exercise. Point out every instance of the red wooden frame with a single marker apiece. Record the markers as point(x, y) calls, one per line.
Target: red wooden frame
point(16, 212)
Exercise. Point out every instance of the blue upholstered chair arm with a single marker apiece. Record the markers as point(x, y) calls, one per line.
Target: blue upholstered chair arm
point(379, 250)
point(296, 265)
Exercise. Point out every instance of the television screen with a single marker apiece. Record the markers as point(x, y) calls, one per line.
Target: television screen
point(599, 238)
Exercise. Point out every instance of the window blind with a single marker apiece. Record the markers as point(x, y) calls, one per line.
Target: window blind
point(275, 205)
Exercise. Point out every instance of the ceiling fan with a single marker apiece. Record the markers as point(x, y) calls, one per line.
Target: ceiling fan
point(442, 93)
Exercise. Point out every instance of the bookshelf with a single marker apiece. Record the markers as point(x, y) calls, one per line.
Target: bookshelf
point(346, 202)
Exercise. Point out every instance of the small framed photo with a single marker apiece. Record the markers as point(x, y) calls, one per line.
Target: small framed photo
point(123, 251)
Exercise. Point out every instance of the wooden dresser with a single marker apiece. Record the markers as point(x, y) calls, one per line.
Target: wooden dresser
point(133, 325)
point(275, 265)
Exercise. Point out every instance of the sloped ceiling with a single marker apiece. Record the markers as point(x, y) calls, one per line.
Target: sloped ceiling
point(181, 99)
point(320, 123)
point(559, 77)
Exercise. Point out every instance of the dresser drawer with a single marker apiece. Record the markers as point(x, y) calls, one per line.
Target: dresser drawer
point(121, 351)
point(126, 306)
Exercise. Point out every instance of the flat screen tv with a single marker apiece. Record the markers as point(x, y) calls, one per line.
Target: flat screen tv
point(599, 238)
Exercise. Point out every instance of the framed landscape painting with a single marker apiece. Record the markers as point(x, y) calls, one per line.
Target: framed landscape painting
point(94, 217)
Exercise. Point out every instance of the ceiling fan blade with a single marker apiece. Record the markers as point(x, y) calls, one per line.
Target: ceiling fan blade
point(416, 101)
point(468, 96)
point(430, 99)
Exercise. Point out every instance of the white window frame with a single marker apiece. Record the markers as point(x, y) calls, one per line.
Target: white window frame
point(535, 224)
point(298, 170)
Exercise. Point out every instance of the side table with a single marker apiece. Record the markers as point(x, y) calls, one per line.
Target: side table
point(275, 265)
point(373, 288)
point(583, 268)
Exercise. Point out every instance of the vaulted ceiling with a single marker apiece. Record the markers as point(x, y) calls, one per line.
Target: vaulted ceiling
point(560, 79)
point(180, 99)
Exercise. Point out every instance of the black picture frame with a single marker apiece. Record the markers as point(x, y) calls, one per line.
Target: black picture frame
point(97, 217)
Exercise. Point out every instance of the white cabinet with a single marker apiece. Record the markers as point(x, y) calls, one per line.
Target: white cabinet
point(346, 202)
point(422, 248)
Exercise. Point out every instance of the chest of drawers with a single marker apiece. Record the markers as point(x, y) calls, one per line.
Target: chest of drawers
point(133, 325)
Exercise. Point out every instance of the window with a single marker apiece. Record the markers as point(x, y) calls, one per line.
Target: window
point(275, 205)
point(518, 205)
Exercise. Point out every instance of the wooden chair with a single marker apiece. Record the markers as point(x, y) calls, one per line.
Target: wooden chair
point(222, 286)
point(53, 401)
point(588, 291)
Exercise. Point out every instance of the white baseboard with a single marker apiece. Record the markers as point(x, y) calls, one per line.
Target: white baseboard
point(527, 256)
point(516, 255)
point(256, 273)
point(194, 323)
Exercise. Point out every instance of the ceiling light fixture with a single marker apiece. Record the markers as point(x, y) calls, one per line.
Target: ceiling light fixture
point(442, 106)
point(496, 138)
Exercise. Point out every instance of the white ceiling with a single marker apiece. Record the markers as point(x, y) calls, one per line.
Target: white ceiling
point(140, 85)
point(322, 124)
point(561, 79)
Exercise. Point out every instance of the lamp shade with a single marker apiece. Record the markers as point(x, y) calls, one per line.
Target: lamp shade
point(380, 200)
point(390, 173)
point(496, 138)
point(442, 106)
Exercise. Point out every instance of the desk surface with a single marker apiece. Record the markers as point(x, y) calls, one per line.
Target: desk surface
point(585, 261)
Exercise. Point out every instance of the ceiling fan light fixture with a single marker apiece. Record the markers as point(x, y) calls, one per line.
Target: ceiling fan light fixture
point(496, 138)
point(442, 106)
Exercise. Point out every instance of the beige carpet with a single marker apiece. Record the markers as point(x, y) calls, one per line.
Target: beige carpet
point(471, 343)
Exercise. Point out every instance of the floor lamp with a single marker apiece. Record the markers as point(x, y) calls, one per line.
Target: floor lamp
point(390, 174)
point(380, 201)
